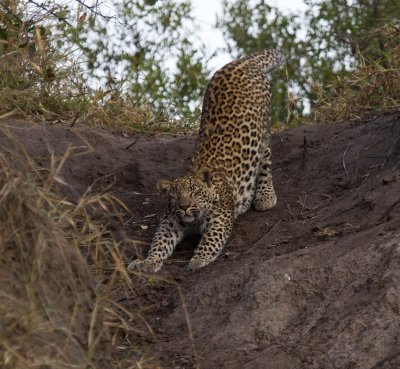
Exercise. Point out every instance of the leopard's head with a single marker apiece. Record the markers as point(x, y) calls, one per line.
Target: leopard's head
point(189, 197)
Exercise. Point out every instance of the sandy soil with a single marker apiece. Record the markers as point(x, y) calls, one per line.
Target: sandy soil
point(313, 283)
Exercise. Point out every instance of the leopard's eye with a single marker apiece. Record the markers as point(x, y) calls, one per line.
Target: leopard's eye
point(196, 192)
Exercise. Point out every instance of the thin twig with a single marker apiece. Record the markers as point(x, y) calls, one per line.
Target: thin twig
point(288, 209)
point(51, 11)
point(75, 118)
point(9, 53)
point(94, 10)
point(130, 145)
point(262, 238)
point(9, 114)
point(343, 162)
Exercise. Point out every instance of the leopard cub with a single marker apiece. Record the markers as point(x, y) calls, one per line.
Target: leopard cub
point(230, 167)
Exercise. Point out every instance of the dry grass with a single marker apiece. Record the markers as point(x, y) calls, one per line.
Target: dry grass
point(373, 86)
point(65, 297)
point(47, 288)
point(63, 276)
point(325, 232)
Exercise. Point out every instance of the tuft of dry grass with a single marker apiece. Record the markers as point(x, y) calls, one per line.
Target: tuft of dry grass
point(63, 275)
point(325, 232)
point(47, 290)
point(373, 86)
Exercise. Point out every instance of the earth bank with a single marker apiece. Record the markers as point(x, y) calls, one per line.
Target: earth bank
point(313, 283)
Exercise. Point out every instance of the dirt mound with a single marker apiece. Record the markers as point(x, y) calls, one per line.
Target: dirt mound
point(313, 283)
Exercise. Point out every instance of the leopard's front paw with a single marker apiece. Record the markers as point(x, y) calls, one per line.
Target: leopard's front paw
point(146, 265)
point(197, 263)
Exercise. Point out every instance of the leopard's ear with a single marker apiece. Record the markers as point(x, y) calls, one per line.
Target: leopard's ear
point(163, 187)
point(205, 175)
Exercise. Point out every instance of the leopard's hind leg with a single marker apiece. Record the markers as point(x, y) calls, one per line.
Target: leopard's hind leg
point(265, 197)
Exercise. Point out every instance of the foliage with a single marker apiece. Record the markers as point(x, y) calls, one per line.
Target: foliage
point(248, 28)
point(28, 78)
point(49, 71)
point(372, 86)
point(135, 64)
point(144, 49)
point(347, 27)
point(336, 37)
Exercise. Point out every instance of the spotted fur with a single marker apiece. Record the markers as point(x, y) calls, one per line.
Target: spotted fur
point(230, 168)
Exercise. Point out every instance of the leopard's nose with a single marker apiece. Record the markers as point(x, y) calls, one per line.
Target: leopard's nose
point(184, 201)
point(184, 206)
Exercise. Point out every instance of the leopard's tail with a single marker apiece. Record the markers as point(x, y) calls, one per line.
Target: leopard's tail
point(266, 60)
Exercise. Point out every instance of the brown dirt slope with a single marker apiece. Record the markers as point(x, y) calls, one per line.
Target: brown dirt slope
point(313, 283)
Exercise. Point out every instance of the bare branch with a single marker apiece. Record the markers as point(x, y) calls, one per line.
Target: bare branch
point(51, 11)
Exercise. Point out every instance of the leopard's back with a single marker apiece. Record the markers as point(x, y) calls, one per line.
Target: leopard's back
point(235, 117)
